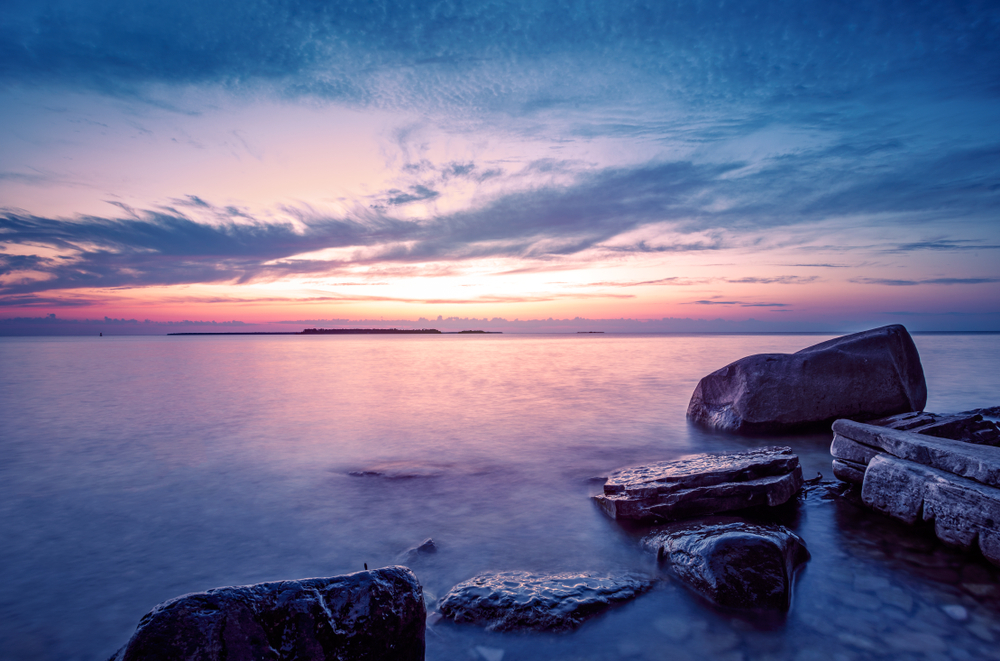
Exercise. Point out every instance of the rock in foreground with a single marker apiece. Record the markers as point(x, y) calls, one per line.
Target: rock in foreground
point(733, 563)
point(915, 477)
point(376, 614)
point(518, 601)
point(701, 485)
point(862, 376)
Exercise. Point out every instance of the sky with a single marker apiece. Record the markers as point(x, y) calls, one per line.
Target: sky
point(675, 165)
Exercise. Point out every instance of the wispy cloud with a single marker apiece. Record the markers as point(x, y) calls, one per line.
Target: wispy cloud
point(930, 281)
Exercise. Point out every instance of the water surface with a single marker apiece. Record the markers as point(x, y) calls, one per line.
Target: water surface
point(135, 469)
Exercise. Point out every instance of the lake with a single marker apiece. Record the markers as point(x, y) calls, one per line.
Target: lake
point(135, 469)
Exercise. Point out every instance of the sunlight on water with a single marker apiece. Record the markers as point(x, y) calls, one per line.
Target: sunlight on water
point(136, 469)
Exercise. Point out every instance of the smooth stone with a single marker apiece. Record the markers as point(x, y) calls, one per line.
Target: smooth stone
point(369, 614)
point(519, 601)
point(733, 563)
point(703, 484)
point(964, 512)
point(976, 462)
point(862, 376)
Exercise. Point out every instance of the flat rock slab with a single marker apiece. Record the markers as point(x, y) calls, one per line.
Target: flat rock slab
point(702, 484)
point(965, 513)
point(376, 614)
point(968, 427)
point(520, 601)
point(862, 376)
point(975, 462)
point(733, 563)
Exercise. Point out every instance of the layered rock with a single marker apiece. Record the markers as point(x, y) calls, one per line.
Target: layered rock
point(915, 477)
point(518, 601)
point(376, 614)
point(733, 563)
point(861, 376)
point(702, 484)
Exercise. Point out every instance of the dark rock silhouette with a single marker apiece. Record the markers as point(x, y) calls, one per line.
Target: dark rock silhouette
point(517, 600)
point(701, 485)
point(376, 614)
point(733, 563)
point(862, 376)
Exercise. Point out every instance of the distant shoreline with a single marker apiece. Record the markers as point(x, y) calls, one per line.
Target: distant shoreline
point(358, 331)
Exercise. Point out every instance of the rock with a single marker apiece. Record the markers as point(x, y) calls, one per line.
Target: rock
point(861, 376)
point(968, 427)
point(702, 484)
point(976, 462)
point(964, 512)
point(733, 563)
point(517, 600)
point(376, 614)
point(414, 553)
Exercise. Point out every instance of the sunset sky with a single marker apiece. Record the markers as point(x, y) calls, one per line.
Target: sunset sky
point(807, 165)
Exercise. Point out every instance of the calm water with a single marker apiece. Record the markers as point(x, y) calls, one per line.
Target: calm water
point(135, 469)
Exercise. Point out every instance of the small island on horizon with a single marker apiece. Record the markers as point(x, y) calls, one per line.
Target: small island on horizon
point(359, 331)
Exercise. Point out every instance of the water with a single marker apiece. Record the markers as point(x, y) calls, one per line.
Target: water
point(135, 469)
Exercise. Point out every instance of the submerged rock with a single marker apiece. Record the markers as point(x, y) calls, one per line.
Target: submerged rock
point(861, 376)
point(376, 614)
point(733, 563)
point(701, 485)
point(414, 553)
point(517, 600)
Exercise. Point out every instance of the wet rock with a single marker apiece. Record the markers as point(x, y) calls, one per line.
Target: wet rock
point(412, 554)
point(964, 512)
point(376, 614)
point(976, 462)
point(517, 600)
point(733, 563)
point(862, 376)
point(969, 427)
point(702, 484)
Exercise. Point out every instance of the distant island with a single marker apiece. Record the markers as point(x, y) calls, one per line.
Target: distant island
point(358, 331)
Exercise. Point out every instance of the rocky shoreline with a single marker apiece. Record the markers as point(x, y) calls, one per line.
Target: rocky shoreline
point(718, 524)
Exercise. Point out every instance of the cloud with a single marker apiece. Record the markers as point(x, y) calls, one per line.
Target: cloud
point(590, 213)
point(743, 304)
point(520, 56)
point(930, 281)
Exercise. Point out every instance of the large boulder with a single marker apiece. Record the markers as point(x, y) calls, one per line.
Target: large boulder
point(376, 614)
point(523, 601)
point(862, 376)
point(733, 563)
point(702, 484)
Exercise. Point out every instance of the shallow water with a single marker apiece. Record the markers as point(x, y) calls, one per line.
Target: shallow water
point(135, 469)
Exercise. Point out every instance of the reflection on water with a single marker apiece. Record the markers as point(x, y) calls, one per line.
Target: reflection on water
point(137, 469)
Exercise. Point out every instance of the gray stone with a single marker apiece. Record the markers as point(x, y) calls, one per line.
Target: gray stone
point(964, 512)
point(861, 376)
point(376, 614)
point(702, 484)
point(733, 563)
point(969, 427)
point(977, 462)
point(518, 600)
point(848, 471)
